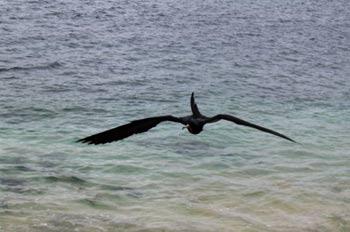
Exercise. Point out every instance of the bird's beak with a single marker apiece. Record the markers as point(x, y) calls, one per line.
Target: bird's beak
point(186, 126)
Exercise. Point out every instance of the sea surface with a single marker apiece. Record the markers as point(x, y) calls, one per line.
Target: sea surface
point(69, 69)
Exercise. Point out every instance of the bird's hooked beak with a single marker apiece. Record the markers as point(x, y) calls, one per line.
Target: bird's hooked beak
point(186, 126)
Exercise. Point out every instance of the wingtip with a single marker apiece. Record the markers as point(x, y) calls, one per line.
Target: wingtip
point(81, 141)
point(90, 141)
point(85, 140)
point(292, 140)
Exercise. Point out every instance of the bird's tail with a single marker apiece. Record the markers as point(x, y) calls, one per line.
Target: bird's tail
point(194, 107)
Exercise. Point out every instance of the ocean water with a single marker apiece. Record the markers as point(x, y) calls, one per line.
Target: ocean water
point(69, 69)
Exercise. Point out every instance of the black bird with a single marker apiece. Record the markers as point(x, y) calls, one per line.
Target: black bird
point(194, 124)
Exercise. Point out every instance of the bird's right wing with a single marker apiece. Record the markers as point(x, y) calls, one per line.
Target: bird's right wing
point(245, 123)
point(124, 131)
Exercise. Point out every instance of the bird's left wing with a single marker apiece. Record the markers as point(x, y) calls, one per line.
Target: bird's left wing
point(245, 123)
point(124, 131)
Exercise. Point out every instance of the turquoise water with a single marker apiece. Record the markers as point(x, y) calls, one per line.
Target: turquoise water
point(68, 70)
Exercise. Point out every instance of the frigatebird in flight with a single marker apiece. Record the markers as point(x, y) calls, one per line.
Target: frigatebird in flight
point(194, 124)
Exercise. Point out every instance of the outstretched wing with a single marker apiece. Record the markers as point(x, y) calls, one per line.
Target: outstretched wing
point(124, 131)
point(194, 107)
point(245, 123)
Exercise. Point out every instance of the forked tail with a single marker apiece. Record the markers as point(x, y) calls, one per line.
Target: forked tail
point(194, 107)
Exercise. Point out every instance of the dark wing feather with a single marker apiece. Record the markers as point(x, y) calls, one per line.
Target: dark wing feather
point(124, 131)
point(245, 123)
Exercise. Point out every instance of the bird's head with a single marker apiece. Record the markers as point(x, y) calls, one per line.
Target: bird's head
point(193, 129)
point(188, 127)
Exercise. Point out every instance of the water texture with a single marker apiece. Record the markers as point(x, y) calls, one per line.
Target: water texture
point(69, 69)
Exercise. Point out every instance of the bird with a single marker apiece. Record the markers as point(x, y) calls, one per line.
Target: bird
point(194, 123)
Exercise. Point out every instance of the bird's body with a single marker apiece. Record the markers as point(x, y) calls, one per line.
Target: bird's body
point(194, 124)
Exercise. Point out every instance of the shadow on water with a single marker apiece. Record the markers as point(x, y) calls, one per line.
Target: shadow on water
point(89, 185)
point(18, 186)
point(11, 182)
point(17, 169)
point(32, 67)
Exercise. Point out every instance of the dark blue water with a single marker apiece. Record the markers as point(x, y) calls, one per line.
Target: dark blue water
point(71, 69)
